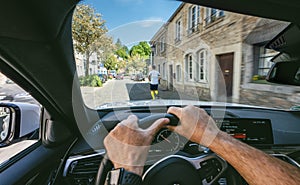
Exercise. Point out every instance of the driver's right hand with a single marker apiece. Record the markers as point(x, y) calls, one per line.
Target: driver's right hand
point(196, 125)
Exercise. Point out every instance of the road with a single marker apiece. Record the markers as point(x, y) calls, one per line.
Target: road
point(120, 91)
point(12, 92)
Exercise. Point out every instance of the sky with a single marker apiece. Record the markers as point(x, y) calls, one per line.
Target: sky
point(134, 20)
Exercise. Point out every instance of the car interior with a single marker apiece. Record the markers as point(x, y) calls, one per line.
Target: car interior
point(36, 52)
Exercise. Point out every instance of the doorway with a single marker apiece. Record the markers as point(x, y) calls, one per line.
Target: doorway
point(226, 66)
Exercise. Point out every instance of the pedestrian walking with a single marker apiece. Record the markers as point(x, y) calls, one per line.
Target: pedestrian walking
point(154, 78)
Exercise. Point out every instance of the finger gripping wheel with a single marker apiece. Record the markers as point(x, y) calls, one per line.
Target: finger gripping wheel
point(174, 120)
point(148, 121)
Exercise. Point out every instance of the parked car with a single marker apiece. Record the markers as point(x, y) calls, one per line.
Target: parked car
point(113, 73)
point(139, 77)
point(119, 77)
point(132, 76)
point(9, 81)
point(103, 77)
point(110, 76)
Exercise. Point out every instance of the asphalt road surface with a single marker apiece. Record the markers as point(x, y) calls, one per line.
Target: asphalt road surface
point(125, 90)
point(13, 93)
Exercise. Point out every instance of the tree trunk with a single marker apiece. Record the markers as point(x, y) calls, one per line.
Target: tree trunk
point(87, 65)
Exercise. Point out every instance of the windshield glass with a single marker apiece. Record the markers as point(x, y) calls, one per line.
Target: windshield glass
point(135, 53)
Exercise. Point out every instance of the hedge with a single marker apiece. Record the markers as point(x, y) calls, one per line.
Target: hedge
point(91, 81)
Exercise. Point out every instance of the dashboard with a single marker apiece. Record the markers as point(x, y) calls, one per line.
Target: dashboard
point(272, 131)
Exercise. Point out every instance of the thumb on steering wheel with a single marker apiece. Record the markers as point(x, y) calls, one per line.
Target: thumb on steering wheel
point(157, 125)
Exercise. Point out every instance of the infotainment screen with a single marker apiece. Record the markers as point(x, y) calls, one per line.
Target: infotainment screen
point(250, 131)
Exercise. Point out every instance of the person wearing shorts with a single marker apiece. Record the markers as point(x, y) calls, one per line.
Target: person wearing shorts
point(154, 77)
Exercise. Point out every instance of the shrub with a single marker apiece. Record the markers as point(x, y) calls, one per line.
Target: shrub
point(258, 77)
point(91, 81)
point(255, 78)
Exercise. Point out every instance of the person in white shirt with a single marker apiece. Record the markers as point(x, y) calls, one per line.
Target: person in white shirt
point(154, 78)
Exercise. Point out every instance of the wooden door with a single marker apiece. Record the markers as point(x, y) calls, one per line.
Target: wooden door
point(226, 67)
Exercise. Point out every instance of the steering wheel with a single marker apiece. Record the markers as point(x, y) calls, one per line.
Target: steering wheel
point(180, 168)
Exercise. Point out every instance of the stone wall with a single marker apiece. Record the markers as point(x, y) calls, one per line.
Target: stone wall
point(188, 92)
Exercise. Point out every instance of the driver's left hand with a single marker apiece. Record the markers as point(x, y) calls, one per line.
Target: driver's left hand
point(127, 145)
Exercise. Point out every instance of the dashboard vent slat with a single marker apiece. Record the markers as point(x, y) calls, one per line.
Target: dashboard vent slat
point(85, 166)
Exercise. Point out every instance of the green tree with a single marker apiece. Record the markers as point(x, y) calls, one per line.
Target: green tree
point(121, 50)
point(119, 44)
point(143, 50)
point(123, 53)
point(138, 54)
point(111, 63)
point(88, 30)
point(105, 48)
point(135, 63)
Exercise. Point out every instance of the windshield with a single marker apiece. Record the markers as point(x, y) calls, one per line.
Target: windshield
point(135, 53)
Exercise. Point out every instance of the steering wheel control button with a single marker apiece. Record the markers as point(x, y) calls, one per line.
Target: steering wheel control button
point(210, 169)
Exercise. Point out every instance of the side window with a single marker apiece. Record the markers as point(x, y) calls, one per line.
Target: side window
point(19, 119)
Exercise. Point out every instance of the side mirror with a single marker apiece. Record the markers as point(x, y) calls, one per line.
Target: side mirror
point(18, 121)
point(285, 73)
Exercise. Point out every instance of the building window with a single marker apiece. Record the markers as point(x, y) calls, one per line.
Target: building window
point(212, 14)
point(221, 13)
point(158, 68)
point(194, 18)
point(189, 67)
point(162, 44)
point(178, 73)
point(84, 63)
point(264, 60)
point(164, 71)
point(178, 30)
point(201, 66)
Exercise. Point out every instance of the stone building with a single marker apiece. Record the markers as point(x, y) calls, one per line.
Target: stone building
point(81, 64)
point(213, 55)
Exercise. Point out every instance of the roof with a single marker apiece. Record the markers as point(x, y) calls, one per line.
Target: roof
point(161, 29)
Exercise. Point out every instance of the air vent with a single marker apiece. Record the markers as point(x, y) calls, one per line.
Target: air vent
point(82, 169)
point(85, 166)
